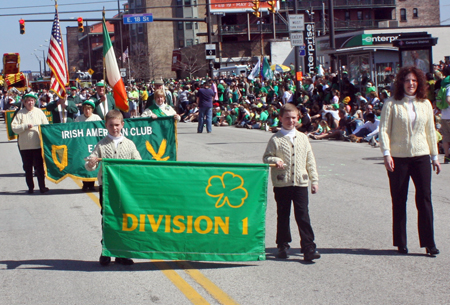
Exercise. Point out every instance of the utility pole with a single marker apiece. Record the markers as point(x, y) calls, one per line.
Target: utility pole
point(209, 26)
point(121, 37)
point(332, 40)
point(297, 59)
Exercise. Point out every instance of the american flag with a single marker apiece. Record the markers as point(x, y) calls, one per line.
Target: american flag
point(56, 60)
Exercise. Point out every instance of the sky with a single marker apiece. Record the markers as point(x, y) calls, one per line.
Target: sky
point(37, 34)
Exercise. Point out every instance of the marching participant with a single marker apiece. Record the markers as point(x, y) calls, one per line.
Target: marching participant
point(160, 108)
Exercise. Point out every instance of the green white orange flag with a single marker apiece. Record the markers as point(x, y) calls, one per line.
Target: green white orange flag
point(112, 71)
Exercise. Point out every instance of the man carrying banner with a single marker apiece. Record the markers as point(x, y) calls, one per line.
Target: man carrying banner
point(63, 110)
point(113, 146)
point(103, 102)
point(290, 150)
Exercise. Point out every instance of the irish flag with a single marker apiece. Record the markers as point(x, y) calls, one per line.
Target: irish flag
point(112, 71)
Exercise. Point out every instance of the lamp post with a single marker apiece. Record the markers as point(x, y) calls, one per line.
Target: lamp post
point(40, 68)
point(43, 56)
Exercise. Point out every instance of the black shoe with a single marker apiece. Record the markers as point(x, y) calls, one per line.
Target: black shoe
point(432, 251)
point(30, 191)
point(311, 254)
point(104, 260)
point(84, 188)
point(124, 261)
point(283, 251)
point(44, 190)
point(402, 250)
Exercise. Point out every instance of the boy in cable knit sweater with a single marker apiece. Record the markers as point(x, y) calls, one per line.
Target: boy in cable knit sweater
point(113, 146)
point(290, 150)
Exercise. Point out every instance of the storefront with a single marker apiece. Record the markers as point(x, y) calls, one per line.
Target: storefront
point(368, 55)
point(364, 56)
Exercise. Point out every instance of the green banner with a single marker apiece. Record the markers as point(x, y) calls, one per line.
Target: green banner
point(66, 145)
point(9, 114)
point(184, 210)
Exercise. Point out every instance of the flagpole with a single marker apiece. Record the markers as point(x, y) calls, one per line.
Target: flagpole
point(104, 64)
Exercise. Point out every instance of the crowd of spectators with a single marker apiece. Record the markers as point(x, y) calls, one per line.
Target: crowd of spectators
point(330, 107)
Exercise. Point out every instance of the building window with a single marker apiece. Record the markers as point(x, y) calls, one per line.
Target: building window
point(188, 25)
point(403, 14)
point(196, 25)
point(138, 3)
point(187, 2)
point(181, 43)
point(140, 29)
point(360, 15)
point(415, 13)
point(180, 25)
point(347, 15)
point(189, 42)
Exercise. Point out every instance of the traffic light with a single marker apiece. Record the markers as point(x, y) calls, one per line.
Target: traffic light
point(22, 26)
point(255, 8)
point(272, 6)
point(80, 24)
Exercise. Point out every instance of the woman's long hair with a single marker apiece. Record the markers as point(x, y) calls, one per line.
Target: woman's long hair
point(399, 85)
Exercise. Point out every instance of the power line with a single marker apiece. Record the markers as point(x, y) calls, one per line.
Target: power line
point(52, 5)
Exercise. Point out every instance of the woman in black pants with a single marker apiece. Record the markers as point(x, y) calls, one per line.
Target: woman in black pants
point(407, 140)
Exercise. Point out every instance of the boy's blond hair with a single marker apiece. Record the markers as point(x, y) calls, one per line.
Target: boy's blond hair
point(288, 108)
point(114, 114)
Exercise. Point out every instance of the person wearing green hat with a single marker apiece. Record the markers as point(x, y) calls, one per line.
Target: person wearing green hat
point(103, 102)
point(88, 116)
point(74, 96)
point(63, 110)
point(26, 125)
point(88, 112)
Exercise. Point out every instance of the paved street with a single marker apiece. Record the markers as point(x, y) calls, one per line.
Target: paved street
point(50, 244)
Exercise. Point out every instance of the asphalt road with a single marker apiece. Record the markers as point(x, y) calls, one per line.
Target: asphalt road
point(49, 244)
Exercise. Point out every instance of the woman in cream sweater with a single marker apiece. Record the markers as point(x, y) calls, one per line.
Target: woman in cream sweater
point(407, 140)
point(26, 125)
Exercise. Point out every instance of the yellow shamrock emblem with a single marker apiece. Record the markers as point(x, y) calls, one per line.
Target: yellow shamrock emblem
point(59, 156)
point(229, 188)
point(161, 150)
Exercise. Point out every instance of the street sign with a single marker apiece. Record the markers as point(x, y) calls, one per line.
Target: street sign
point(296, 39)
point(137, 18)
point(26, 71)
point(123, 73)
point(302, 51)
point(210, 51)
point(90, 71)
point(296, 22)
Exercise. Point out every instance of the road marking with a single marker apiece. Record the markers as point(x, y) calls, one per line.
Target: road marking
point(90, 194)
point(180, 283)
point(209, 286)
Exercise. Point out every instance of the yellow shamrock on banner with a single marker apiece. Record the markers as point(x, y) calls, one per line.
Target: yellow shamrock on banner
point(161, 150)
point(229, 188)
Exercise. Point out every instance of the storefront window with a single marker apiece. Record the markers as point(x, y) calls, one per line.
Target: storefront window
point(359, 69)
point(386, 74)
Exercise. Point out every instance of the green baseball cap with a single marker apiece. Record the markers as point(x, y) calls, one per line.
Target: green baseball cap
point(30, 95)
point(90, 103)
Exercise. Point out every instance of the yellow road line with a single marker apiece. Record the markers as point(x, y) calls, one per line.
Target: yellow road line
point(90, 194)
point(209, 286)
point(180, 283)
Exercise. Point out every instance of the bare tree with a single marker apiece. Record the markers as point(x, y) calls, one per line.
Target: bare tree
point(191, 61)
point(139, 62)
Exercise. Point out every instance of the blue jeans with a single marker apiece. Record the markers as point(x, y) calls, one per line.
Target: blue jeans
point(202, 112)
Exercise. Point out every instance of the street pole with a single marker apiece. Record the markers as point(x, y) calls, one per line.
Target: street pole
point(297, 59)
point(43, 59)
point(121, 36)
point(332, 40)
point(208, 24)
point(40, 68)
